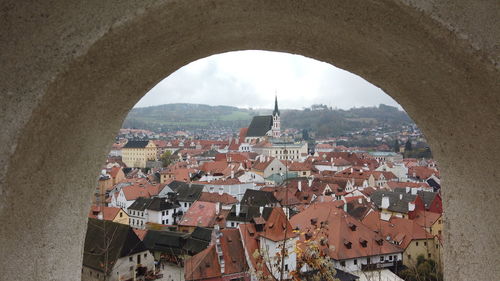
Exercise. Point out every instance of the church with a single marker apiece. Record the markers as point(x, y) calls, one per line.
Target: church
point(263, 136)
point(264, 127)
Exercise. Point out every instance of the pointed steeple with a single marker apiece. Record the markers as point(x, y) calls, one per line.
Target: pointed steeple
point(276, 111)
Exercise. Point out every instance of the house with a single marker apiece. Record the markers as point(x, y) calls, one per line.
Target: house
point(113, 214)
point(406, 234)
point(223, 260)
point(396, 204)
point(137, 212)
point(302, 169)
point(201, 214)
point(112, 251)
point(398, 169)
point(129, 193)
point(352, 245)
point(166, 246)
point(249, 176)
point(432, 201)
point(266, 166)
point(265, 237)
point(187, 195)
point(243, 213)
point(161, 211)
point(136, 153)
point(231, 186)
point(259, 198)
point(225, 200)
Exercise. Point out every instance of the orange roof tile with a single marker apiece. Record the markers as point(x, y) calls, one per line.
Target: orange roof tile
point(342, 231)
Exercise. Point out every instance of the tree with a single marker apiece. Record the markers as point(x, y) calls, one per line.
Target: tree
point(396, 146)
point(166, 158)
point(408, 147)
point(423, 270)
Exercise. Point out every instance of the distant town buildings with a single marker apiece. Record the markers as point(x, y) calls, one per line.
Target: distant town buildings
point(229, 208)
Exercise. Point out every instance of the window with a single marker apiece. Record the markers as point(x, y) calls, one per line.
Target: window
point(130, 259)
point(390, 258)
point(166, 221)
point(416, 243)
point(121, 215)
point(342, 263)
point(185, 204)
point(381, 258)
point(409, 257)
point(437, 246)
point(286, 267)
point(145, 255)
point(355, 261)
point(425, 243)
point(429, 255)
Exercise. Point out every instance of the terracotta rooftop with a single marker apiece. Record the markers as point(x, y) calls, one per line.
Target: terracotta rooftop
point(348, 236)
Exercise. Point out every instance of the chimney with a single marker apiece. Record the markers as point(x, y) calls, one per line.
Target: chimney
point(261, 210)
point(401, 196)
point(310, 181)
point(300, 185)
point(411, 206)
point(232, 174)
point(385, 202)
point(360, 200)
point(217, 208)
point(100, 216)
point(238, 209)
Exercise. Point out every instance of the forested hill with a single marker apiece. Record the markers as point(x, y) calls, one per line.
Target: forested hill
point(319, 118)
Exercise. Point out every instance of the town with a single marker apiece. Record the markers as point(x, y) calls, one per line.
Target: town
point(265, 204)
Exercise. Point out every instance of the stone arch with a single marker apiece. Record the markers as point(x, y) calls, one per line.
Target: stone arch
point(71, 71)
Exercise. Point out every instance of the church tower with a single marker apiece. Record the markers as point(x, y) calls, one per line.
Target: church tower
point(276, 130)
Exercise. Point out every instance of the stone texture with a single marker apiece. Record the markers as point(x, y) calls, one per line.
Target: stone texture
point(72, 69)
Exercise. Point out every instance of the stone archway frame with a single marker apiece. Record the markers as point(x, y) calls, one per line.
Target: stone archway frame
point(73, 70)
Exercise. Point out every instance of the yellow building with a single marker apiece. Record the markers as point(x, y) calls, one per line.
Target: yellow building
point(113, 214)
point(135, 154)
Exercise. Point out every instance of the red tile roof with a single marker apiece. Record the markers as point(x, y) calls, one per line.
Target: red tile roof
point(108, 213)
point(401, 231)
point(201, 214)
point(203, 265)
point(276, 226)
point(343, 232)
point(215, 197)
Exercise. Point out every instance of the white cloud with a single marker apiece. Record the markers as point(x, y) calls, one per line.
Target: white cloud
point(251, 78)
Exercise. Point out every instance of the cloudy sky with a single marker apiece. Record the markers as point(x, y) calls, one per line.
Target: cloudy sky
point(251, 79)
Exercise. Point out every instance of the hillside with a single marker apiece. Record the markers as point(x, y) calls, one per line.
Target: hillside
point(319, 119)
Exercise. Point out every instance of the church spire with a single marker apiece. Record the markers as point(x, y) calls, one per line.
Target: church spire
point(276, 111)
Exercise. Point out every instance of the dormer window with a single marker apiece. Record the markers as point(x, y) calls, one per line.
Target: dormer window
point(363, 242)
point(308, 236)
point(347, 244)
point(352, 226)
point(314, 221)
point(380, 241)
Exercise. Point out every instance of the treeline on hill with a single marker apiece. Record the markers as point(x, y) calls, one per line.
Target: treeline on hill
point(320, 119)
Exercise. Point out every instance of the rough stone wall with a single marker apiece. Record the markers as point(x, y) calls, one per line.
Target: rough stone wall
point(72, 69)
